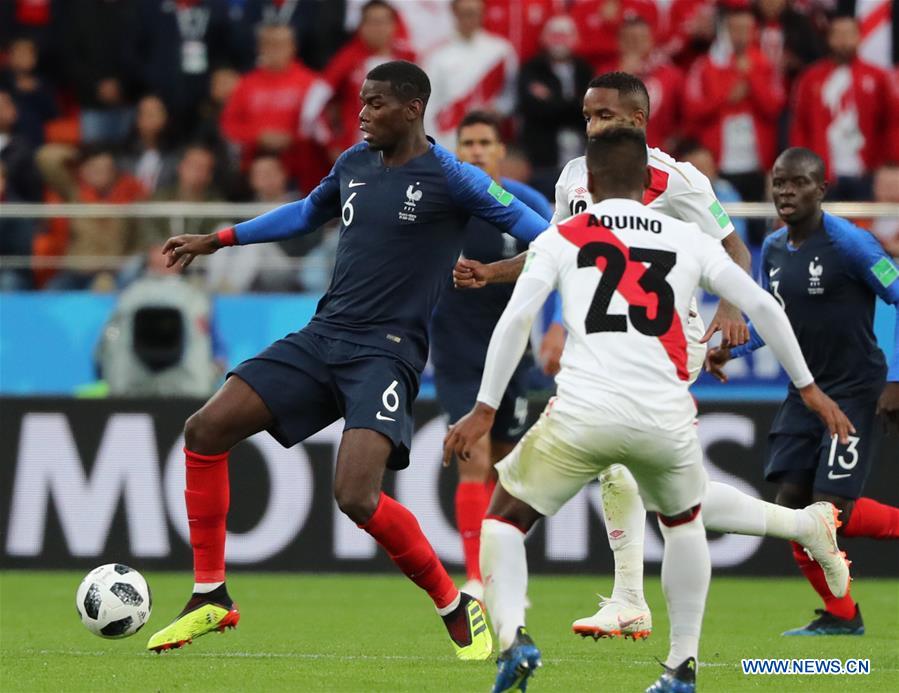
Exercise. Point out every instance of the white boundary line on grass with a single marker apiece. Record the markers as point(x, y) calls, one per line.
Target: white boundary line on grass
point(320, 655)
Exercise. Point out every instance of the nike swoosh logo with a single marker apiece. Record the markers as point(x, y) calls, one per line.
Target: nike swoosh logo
point(831, 475)
point(625, 624)
point(354, 184)
point(773, 271)
point(380, 417)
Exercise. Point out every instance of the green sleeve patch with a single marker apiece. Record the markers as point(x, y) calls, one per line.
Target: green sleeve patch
point(885, 271)
point(527, 260)
point(497, 192)
point(720, 215)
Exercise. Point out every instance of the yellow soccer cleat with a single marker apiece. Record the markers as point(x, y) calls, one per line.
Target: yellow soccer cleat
point(467, 626)
point(202, 615)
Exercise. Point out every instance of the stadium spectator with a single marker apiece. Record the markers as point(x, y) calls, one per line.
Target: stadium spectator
point(375, 42)
point(222, 83)
point(690, 30)
point(664, 81)
point(98, 56)
point(886, 189)
point(148, 155)
point(694, 153)
point(269, 103)
point(88, 243)
point(599, 22)
point(733, 99)
point(194, 184)
point(270, 183)
point(34, 99)
point(549, 102)
point(787, 37)
point(23, 182)
point(179, 43)
point(16, 237)
point(522, 22)
point(486, 82)
point(318, 28)
point(841, 109)
point(37, 19)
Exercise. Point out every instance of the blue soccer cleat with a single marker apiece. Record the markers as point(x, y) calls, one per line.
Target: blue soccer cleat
point(679, 680)
point(828, 624)
point(516, 665)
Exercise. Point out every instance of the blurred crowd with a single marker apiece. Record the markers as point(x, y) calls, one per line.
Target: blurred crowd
point(211, 100)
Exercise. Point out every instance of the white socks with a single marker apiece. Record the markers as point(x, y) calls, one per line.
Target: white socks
point(505, 570)
point(205, 587)
point(451, 607)
point(727, 510)
point(625, 518)
point(686, 572)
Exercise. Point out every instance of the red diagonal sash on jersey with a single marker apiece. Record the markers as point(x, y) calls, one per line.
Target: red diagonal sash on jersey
point(658, 183)
point(580, 233)
point(483, 92)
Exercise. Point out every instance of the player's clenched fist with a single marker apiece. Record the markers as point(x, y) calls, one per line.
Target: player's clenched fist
point(466, 432)
point(469, 274)
point(185, 248)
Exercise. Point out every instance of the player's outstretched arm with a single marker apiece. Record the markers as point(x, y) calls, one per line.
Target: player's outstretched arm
point(471, 274)
point(510, 337)
point(728, 319)
point(734, 285)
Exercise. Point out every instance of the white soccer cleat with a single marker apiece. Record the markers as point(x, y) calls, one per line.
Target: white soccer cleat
point(474, 588)
point(822, 547)
point(616, 620)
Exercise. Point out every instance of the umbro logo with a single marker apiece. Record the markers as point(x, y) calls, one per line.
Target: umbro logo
point(355, 184)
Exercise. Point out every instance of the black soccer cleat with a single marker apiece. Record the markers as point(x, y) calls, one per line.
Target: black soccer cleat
point(681, 679)
point(828, 624)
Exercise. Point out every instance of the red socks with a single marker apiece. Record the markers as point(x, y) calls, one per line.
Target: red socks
point(844, 607)
point(872, 519)
point(207, 496)
point(471, 505)
point(397, 530)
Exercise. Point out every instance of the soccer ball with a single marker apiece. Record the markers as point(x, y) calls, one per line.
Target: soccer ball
point(113, 601)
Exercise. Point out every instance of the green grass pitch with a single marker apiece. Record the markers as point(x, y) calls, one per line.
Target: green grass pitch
point(378, 633)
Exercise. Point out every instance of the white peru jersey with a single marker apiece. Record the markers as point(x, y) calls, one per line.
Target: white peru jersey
point(626, 274)
point(677, 189)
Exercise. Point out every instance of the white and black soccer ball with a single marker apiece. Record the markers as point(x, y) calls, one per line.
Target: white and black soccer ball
point(113, 601)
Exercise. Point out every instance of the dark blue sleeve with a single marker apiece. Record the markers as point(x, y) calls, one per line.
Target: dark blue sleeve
point(870, 264)
point(294, 218)
point(755, 339)
point(479, 195)
point(532, 198)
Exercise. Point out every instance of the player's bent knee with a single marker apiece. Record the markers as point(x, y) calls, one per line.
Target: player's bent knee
point(202, 435)
point(358, 505)
point(679, 519)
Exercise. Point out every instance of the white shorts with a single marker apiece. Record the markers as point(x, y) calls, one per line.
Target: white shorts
point(695, 351)
point(559, 455)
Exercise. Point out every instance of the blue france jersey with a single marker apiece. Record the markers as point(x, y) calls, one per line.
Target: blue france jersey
point(402, 231)
point(828, 287)
point(463, 320)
